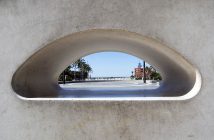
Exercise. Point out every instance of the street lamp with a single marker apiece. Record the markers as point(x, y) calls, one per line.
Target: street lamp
point(63, 77)
point(144, 72)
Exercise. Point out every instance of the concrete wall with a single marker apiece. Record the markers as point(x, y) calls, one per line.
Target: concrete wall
point(185, 25)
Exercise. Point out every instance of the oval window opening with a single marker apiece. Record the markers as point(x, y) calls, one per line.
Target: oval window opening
point(38, 77)
point(108, 73)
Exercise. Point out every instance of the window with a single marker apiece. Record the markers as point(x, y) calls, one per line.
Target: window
point(37, 78)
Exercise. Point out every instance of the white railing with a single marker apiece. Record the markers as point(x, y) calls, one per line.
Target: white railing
point(107, 78)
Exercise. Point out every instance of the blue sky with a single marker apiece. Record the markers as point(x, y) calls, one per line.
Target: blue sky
point(107, 64)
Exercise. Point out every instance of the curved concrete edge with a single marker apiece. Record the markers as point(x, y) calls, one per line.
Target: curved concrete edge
point(178, 77)
point(196, 88)
point(192, 93)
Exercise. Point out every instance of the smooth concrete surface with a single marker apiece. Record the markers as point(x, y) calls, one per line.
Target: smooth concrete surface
point(38, 76)
point(184, 25)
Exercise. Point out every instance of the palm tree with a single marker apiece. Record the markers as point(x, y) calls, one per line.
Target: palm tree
point(87, 68)
point(67, 71)
point(82, 66)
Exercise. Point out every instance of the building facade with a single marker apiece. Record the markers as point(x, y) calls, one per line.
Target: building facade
point(139, 72)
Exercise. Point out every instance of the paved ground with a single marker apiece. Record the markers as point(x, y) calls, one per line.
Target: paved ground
point(111, 85)
point(105, 89)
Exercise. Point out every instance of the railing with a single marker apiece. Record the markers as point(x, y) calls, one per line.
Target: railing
point(107, 78)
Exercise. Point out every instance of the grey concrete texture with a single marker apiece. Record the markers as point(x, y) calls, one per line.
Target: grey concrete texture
point(184, 25)
point(38, 76)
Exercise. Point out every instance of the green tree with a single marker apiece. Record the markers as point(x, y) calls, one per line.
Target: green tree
point(80, 64)
point(66, 73)
point(155, 75)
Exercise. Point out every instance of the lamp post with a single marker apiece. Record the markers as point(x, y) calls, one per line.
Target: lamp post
point(82, 72)
point(74, 72)
point(144, 72)
point(63, 77)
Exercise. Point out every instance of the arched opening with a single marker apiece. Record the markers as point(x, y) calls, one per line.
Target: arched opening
point(108, 72)
point(38, 76)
